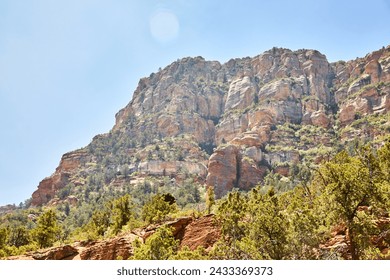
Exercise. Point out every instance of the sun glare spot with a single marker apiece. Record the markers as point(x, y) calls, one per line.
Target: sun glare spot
point(164, 26)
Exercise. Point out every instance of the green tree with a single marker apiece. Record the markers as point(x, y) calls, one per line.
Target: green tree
point(3, 237)
point(262, 225)
point(230, 213)
point(384, 166)
point(350, 185)
point(305, 231)
point(210, 199)
point(19, 236)
point(99, 223)
point(267, 230)
point(67, 209)
point(157, 208)
point(162, 245)
point(189, 193)
point(47, 230)
point(230, 216)
point(122, 212)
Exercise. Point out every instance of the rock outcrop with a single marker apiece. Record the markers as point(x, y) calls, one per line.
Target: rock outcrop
point(54, 253)
point(363, 86)
point(110, 249)
point(189, 231)
point(223, 168)
point(201, 232)
point(48, 187)
point(231, 124)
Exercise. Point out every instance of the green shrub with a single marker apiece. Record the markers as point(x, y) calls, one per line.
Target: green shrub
point(158, 207)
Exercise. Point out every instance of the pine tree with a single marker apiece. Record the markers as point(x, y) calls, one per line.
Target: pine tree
point(47, 230)
point(210, 199)
point(99, 223)
point(354, 190)
point(230, 216)
point(267, 232)
point(122, 212)
point(19, 236)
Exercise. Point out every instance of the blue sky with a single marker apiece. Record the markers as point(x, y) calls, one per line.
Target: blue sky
point(66, 67)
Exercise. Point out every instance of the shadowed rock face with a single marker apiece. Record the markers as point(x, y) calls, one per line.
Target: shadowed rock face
point(229, 120)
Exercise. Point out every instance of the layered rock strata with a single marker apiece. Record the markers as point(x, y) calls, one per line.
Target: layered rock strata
point(231, 124)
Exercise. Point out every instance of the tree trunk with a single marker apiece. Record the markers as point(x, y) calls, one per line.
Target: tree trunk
point(352, 245)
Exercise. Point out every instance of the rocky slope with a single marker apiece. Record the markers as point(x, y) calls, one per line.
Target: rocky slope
point(229, 125)
point(189, 231)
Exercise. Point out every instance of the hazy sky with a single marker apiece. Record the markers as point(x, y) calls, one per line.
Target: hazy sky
point(66, 67)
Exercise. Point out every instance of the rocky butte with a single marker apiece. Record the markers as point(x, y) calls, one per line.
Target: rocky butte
point(229, 125)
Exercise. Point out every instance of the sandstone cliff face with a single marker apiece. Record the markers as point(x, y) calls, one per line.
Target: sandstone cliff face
point(223, 170)
point(169, 168)
point(48, 187)
point(230, 124)
point(182, 98)
point(363, 86)
point(282, 86)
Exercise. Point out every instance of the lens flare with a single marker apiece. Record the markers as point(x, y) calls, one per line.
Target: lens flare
point(164, 26)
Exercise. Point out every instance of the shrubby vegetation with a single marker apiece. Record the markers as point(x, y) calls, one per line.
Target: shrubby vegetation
point(18, 234)
point(351, 191)
point(160, 246)
point(158, 207)
point(281, 219)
